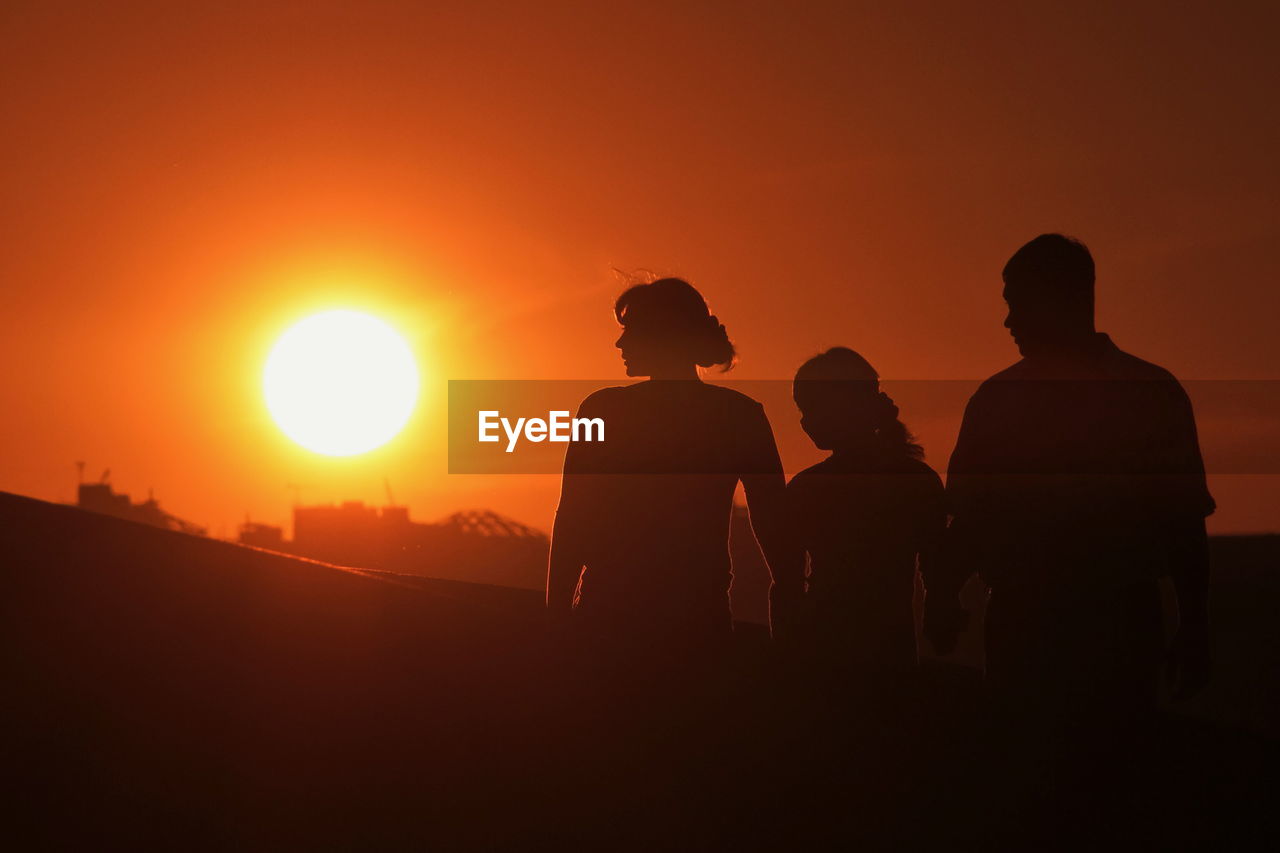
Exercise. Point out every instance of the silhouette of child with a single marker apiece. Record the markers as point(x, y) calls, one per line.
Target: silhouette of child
point(868, 515)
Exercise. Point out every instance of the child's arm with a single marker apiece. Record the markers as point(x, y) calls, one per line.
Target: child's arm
point(944, 617)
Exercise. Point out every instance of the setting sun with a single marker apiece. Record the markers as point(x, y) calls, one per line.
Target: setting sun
point(341, 383)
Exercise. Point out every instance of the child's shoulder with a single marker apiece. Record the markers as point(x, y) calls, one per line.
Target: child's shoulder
point(920, 473)
point(912, 465)
point(823, 467)
point(824, 472)
point(811, 476)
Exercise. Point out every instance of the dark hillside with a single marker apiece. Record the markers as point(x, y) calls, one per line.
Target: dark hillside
point(163, 688)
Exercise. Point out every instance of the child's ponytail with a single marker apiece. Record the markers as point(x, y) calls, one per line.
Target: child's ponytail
point(893, 433)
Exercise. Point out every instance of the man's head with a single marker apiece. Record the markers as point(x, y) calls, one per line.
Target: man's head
point(1048, 285)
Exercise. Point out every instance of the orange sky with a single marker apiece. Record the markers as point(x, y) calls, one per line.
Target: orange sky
point(178, 187)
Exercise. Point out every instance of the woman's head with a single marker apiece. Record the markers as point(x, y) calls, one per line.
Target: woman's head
point(668, 330)
point(841, 405)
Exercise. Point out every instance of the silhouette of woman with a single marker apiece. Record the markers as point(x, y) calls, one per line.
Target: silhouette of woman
point(867, 516)
point(640, 546)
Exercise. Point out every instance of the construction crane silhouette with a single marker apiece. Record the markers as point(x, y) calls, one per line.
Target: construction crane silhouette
point(296, 488)
point(106, 474)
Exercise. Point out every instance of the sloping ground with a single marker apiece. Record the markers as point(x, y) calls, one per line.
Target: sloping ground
point(164, 689)
point(158, 679)
point(169, 690)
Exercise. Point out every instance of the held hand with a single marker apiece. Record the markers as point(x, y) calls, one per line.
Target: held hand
point(787, 614)
point(1189, 664)
point(944, 621)
point(558, 623)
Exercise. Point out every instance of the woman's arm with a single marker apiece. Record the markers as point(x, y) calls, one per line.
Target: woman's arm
point(766, 491)
point(568, 535)
point(564, 566)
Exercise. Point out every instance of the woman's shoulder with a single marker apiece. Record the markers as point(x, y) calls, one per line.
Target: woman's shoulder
point(700, 413)
point(731, 398)
point(696, 393)
point(601, 398)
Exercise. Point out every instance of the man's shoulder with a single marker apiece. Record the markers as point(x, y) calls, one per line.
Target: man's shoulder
point(1114, 363)
point(1148, 385)
point(1020, 369)
point(1128, 366)
point(995, 386)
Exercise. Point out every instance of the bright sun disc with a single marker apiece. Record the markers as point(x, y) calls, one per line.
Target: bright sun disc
point(341, 383)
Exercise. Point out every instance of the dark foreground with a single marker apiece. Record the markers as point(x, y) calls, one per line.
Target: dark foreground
point(168, 690)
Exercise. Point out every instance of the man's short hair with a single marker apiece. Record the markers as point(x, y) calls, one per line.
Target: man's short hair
point(1060, 262)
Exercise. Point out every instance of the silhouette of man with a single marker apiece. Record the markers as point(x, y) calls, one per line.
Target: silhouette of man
point(1075, 485)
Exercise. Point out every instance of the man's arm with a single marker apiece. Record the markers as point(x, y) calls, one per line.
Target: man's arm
point(1189, 658)
point(1185, 497)
point(955, 555)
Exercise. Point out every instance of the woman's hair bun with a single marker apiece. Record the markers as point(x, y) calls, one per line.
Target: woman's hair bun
point(714, 346)
point(676, 305)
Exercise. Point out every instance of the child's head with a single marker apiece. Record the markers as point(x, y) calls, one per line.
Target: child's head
point(841, 404)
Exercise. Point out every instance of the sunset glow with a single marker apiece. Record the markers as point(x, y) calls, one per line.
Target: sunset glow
point(341, 383)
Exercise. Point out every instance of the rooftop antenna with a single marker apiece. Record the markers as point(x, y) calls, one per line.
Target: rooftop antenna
point(106, 473)
point(386, 482)
point(79, 472)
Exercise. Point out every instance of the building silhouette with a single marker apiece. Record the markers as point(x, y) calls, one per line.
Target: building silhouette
point(99, 498)
point(477, 545)
point(261, 535)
